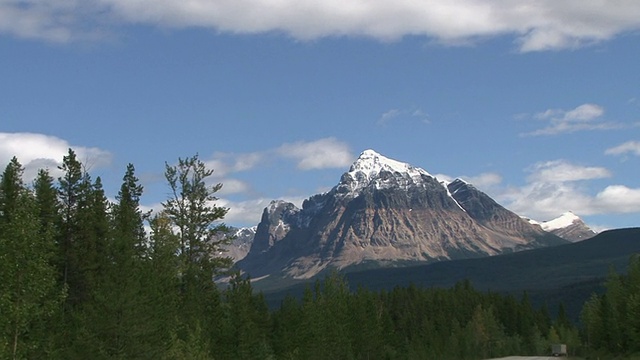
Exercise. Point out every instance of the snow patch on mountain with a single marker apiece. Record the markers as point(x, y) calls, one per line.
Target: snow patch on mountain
point(371, 168)
point(560, 222)
point(446, 183)
point(568, 226)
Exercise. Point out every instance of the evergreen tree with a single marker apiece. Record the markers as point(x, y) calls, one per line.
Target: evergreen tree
point(28, 292)
point(121, 291)
point(632, 313)
point(197, 220)
point(247, 323)
point(69, 192)
point(48, 206)
point(161, 280)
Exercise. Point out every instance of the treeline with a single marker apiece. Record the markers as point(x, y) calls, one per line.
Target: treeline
point(413, 323)
point(612, 320)
point(81, 278)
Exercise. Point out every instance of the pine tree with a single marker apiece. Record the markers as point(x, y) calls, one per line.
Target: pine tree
point(192, 211)
point(197, 220)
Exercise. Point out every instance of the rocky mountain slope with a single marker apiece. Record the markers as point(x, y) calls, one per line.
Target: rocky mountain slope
point(240, 246)
point(384, 212)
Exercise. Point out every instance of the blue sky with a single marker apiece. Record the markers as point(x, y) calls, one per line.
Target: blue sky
point(536, 103)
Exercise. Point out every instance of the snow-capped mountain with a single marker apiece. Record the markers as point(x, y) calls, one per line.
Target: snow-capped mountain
point(568, 226)
point(386, 211)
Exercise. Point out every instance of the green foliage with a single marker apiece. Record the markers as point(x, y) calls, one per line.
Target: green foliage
point(29, 296)
point(192, 211)
point(611, 320)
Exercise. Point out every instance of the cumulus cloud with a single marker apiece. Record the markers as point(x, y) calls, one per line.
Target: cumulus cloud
point(582, 118)
point(632, 147)
point(38, 151)
point(540, 25)
point(320, 154)
point(558, 186)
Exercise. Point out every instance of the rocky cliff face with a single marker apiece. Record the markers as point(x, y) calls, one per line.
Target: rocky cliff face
point(386, 211)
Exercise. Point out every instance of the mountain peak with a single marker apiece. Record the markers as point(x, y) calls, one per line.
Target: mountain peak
point(370, 163)
point(372, 168)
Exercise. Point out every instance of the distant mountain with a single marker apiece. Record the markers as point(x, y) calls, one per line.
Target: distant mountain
point(385, 212)
point(239, 247)
point(567, 226)
point(566, 274)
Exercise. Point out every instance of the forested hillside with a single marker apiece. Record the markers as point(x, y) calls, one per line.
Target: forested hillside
point(81, 279)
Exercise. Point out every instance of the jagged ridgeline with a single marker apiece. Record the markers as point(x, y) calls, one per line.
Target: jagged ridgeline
point(385, 212)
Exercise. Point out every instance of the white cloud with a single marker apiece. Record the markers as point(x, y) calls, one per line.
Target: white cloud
point(563, 171)
point(320, 154)
point(484, 180)
point(232, 186)
point(38, 151)
point(388, 116)
point(632, 147)
point(539, 25)
point(584, 112)
point(545, 200)
point(226, 163)
point(393, 114)
point(249, 212)
point(583, 117)
point(618, 199)
point(555, 187)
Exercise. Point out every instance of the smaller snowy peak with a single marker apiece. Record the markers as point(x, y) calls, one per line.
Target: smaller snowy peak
point(560, 222)
point(246, 231)
point(568, 226)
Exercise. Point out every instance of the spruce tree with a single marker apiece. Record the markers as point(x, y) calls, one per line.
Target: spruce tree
point(69, 193)
point(120, 313)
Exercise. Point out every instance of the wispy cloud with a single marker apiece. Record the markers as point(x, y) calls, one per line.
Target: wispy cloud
point(401, 114)
point(564, 171)
point(225, 163)
point(582, 118)
point(629, 147)
point(543, 25)
point(38, 151)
